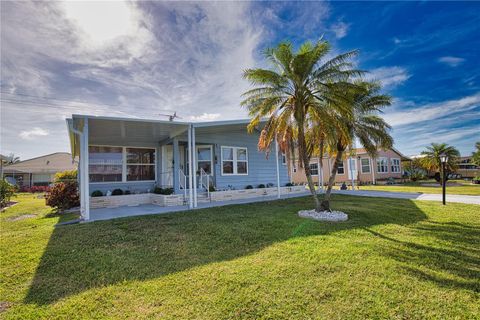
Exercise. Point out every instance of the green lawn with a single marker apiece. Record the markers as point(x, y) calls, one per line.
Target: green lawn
point(465, 188)
point(394, 259)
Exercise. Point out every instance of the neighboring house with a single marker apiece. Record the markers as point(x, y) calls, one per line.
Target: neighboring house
point(466, 168)
point(361, 167)
point(138, 155)
point(39, 171)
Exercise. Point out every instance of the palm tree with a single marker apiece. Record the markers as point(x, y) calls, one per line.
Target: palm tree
point(365, 125)
point(301, 86)
point(431, 160)
point(11, 159)
point(476, 154)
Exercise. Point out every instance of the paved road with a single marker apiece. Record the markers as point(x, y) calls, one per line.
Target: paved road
point(413, 196)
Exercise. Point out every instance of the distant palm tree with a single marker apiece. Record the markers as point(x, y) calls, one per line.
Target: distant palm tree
point(366, 125)
point(431, 160)
point(300, 88)
point(11, 159)
point(476, 154)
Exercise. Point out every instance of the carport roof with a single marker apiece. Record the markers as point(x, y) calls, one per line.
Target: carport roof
point(108, 130)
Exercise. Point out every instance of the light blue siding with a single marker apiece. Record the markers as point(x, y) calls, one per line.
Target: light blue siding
point(260, 169)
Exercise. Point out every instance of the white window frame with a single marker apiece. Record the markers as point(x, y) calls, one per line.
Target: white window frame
point(379, 161)
point(369, 165)
point(139, 164)
point(234, 160)
point(399, 165)
point(318, 169)
point(124, 165)
point(343, 165)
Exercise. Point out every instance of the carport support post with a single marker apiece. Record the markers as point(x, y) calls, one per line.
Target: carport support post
point(278, 169)
point(176, 165)
point(194, 167)
point(190, 195)
point(85, 178)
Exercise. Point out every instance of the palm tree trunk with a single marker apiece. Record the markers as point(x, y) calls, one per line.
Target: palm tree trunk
point(306, 165)
point(325, 205)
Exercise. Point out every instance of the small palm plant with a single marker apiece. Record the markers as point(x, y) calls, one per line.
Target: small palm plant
point(300, 88)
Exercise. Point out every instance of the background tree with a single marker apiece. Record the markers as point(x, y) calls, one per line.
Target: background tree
point(476, 154)
point(431, 160)
point(301, 87)
point(12, 158)
point(365, 124)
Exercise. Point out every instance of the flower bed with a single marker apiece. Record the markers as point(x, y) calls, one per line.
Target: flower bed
point(253, 193)
point(135, 200)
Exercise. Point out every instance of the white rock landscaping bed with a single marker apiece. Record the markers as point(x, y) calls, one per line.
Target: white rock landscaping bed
point(334, 216)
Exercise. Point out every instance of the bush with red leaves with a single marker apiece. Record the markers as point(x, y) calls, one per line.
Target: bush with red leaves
point(63, 195)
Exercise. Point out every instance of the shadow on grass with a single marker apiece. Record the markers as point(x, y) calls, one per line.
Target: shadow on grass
point(453, 260)
point(85, 256)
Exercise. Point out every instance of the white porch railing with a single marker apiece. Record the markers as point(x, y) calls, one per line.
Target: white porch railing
point(204, 181)
point(182, 181)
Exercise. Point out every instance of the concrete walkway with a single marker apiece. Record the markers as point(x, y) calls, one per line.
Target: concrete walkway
point(412, 196)
point(145, 209)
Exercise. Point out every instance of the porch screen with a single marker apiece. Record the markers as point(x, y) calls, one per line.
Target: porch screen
point(140, 164)
point(105, 163)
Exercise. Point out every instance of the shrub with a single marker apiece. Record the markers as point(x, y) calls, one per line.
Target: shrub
point(211, 188)
point(7, 191)
point(127, 192)
point(97, 193)
point(289, 184)
point(164, 191)
point(69, 175)
point(117, 192)
point(270, 185)
point(261, 186)
point(249, 187)
point(63, 195)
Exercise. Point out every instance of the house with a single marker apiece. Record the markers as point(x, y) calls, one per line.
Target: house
point(361, 168)
point(39, 171)
point(139, 155)
point(466, 169)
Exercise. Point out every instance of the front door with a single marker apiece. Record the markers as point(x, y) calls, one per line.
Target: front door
point(205, 159)
point(352, 169)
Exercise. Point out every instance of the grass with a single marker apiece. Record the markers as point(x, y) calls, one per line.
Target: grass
point(393, 259)
point(458, 187)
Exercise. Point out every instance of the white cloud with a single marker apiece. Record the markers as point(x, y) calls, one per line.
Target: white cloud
point(389, 76)
point(340, 29)
point(34, 133)
point(205, 117)
point(451, 61)
point(431, 111)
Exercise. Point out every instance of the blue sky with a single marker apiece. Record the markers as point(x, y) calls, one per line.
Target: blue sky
point(145, 58)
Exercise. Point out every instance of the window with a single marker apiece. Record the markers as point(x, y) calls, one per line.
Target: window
point(382, 165)
point(341, 168)
point(284, 159)
point(395, 165)
point(234, 161)
point(314, 169)
point(140, 164)
point(365, 165)
point(105, 164)
point(204, 159)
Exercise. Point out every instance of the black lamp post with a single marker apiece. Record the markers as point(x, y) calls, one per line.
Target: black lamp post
point(443, 160)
